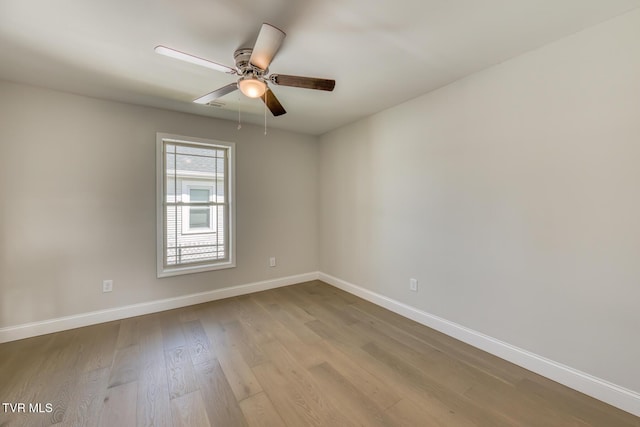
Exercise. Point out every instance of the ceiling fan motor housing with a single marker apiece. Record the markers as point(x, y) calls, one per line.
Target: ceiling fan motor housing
point(244, 67)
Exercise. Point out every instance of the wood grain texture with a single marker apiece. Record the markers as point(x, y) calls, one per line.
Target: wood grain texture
point(197, 342)
point(222, 407)
point(290, 402)
point(343, 394)
point(125, 366)
point(189, 410)
point(88, 396)
point(302, 355)
point(260, 412)
point(57, 390)
point(153, 395)
point(239, 374)
point(97, 346)
point(180, 375)
point(119, 408)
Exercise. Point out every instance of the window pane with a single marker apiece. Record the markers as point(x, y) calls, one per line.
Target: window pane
point(196, 151)
point(199, 195)
point(189, 164)
point(199, 218)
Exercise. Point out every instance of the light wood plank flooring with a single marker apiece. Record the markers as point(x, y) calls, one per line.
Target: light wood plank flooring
point(302, 355)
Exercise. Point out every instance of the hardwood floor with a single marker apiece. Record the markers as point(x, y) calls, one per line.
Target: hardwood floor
point(302, 355)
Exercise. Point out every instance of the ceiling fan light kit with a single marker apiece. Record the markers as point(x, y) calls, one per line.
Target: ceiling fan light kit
point(252, 87)
point(252, 67)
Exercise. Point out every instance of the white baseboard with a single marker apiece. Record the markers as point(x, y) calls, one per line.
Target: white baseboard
point(33, 329)
point(617, 396)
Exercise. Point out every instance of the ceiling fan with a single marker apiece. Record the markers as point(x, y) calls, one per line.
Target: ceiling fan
point(252, 67)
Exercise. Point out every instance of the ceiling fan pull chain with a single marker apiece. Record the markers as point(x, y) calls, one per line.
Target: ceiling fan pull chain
point(265, 112)
point(239, 108)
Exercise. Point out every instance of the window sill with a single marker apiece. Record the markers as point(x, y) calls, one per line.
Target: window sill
point(177, 271)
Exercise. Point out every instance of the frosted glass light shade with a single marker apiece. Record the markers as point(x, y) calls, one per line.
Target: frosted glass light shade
point(253, 88)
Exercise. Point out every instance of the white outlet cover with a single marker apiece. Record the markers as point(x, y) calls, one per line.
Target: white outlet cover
point(107, 285)
point(413, 285)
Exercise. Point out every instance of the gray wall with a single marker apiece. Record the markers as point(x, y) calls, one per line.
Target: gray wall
point(513, 196)
point(77, 191)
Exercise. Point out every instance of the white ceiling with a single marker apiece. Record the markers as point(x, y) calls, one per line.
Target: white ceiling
point(380, 52)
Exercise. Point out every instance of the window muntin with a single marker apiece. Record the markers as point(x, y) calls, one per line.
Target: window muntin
point(195, 212)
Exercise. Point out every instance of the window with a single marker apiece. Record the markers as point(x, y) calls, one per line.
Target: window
point(195, 212)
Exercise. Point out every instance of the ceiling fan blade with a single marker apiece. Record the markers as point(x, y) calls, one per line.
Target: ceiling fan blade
point(303, 82)
point(272, 103)
point(167, 51)
point(206, 99)
point(267, 44)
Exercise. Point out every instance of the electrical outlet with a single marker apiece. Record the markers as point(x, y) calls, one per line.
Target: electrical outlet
point(107, 285)
point(413, 285)
point(272, 261)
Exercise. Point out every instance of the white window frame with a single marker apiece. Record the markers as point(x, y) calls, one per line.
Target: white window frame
point(230, 261)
